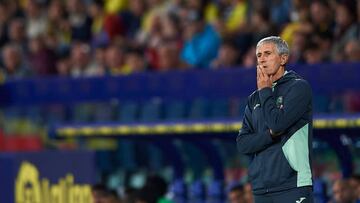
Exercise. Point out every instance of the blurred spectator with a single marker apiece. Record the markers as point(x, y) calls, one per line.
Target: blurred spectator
point(132, 17)
point(4, 19)
point(36, 19)
point(80, 21)
point(321, 17)
point(352, 51)
point(230, 16)
point(168, 54)
point(41, 59)
point(115, 60)
point(313, 53)
point(202, 41)
point(81, 64)
point(17, 34)
point(135, 61)
point(344, 18)
point(96, 12)
point(280, 11)
point(63, 65)
point(99, 60)
point(249, 59)
point(236, 194)
point(58, 35)
point(260, 24)
point(14, 66)
point(342, 192)
point(300, 23)
point(299, 40)
point(228, 56)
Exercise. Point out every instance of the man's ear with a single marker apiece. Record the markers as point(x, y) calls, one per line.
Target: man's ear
point(284, 59)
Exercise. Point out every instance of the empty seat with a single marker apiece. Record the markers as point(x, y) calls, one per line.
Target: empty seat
point(175, 110)
point(128, 112)
point(151, 111)
point(199, 109)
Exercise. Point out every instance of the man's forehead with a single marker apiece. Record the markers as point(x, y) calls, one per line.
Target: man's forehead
point(265, 46)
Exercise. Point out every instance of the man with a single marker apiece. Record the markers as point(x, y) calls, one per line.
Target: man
point(277, 129)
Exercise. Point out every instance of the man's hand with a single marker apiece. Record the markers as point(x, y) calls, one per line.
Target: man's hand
point(263, 80)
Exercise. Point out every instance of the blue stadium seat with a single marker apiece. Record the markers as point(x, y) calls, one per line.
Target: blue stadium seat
point(103, 112)
point(82, 113)
point(199, 109)
point(55, 114)
point(197, 192)
point(128, 112)
point(320, 194)
point(219, 108)
point(321, 104)
point(215, 192)
point(178, 191)
point(151, 111)
point(175, 110)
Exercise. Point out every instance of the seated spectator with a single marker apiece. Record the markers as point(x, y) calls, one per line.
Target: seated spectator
point(115, 60)
point(135, 61)
point(313, 53)
point(14, 66)
point(168, 56)
point(352, 51)
point(41, 59)
point(228, 56)
point(81, 64)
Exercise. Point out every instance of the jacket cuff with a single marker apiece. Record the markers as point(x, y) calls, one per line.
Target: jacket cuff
point(264, 94)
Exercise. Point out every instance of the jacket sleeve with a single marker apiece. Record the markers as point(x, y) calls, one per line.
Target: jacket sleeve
point(248, 141)
point(296, 102)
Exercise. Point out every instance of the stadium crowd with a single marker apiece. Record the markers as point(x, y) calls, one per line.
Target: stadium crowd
point(82, 38)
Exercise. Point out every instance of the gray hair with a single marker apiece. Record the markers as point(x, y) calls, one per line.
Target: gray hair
point(281, 46)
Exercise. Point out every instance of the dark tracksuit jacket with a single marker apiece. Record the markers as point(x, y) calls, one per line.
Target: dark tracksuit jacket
point(283, 162)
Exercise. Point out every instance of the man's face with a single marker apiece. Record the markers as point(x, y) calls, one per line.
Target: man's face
point(268, 58)
point(236, 197)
